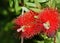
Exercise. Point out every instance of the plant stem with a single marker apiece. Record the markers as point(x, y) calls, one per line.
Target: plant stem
point(54, 39)
point(22, 40)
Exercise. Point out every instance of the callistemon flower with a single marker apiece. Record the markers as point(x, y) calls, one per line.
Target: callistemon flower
point(28, 26)
point(31, 29)
point(49, 20)
point(26, 18)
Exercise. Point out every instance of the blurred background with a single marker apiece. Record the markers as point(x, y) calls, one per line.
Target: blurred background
point(10, 9)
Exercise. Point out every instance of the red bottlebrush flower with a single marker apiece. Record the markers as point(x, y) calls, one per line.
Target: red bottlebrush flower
point(31, 30)
point(49, 20)
point(28, 26)
point(25, 18)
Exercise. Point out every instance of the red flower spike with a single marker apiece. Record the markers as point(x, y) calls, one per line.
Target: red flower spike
point(49, 19)
point(25, 18)
point(28, 26)
point(31, 30)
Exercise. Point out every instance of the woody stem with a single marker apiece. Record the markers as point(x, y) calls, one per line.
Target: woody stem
point(54, 39)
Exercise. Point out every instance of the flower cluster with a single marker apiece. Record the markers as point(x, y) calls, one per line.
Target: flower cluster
point(32, 23)
point(49, 19)
point(28, 24)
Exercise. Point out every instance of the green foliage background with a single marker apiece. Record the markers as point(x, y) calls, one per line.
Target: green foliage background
point(10, 9)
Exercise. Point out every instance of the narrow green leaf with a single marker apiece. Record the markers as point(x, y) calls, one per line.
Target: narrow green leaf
point(11, 9)
point(11, 3)
point(37, 41)
point(26, 1)
point(58, 1)
point(52, 3)
point(35, 9)
point(58, 6)
point(16, 5)
point(48, 40)
point(37, 4)
point(40, 41)
point(41, 1)
point(30, 4)
point(32, 0)
point(58, 37)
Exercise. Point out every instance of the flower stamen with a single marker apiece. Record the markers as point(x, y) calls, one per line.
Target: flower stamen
point(21, 29)
point(36, 17)
point(46, 25)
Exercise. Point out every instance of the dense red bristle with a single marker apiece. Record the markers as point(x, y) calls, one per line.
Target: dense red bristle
point(51, 15)
point(31, 26)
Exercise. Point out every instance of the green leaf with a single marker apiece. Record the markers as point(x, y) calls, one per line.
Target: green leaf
point(41, 1)
point(58, 1)
point(37, 41)
point(11, 9)
point(30, 4)
point(44, 36)
point(35, 9)
point(58, 6)
point(31, 0)
point(37, 4)
point(58, 37)
point(17, 7)
point(52, 3)
point(26, 1)
point(11, 3)
point(48, 40)
point(40, 41)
